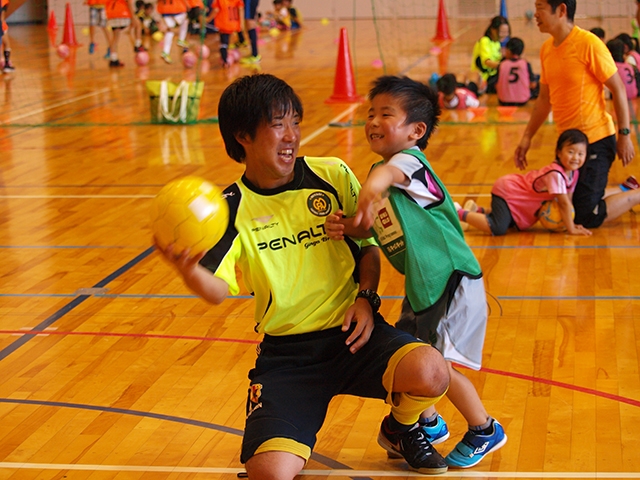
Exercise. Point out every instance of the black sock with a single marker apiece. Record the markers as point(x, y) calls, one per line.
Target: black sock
point(396, 427)
point(253, 37)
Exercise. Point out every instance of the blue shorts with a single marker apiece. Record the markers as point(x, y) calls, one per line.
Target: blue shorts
point(251, 9)
point(296, 376)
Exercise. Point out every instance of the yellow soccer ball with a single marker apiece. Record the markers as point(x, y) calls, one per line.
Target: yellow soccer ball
point(550, 217)
point(189, 213)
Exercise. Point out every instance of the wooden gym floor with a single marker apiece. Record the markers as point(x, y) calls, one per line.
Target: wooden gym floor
point(111, 369)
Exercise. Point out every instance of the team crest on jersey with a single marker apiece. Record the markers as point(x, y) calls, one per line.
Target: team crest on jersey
point(255, 391)
point(319, 204)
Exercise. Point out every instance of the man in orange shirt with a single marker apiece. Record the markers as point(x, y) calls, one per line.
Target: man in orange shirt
point(576, 66)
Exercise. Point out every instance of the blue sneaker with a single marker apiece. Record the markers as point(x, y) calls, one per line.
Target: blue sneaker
point(474, 447)
point(438, 433)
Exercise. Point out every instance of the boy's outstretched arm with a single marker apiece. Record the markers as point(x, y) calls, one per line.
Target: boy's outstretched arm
point(566, 210)
point(337, 226)
point(378, 182)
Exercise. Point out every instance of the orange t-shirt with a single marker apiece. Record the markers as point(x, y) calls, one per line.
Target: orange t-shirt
point(228, 17)
point(117, 9)
point(97, 3)
point(4, 3)
point(195, 3)
point(171, 7)
point(575, 72)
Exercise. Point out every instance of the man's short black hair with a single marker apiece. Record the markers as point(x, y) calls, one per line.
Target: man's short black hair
point(249, 102)
point(598, 32)
point(418, 101)
point(571, 7)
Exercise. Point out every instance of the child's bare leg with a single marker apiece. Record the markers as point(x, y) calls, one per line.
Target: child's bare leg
point(465, 398)
point(478, 220)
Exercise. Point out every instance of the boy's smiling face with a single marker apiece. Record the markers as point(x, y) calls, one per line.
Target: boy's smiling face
point(386, 128)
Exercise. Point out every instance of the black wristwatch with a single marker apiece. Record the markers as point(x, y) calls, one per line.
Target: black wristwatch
point(372, 297)
point(624, 131)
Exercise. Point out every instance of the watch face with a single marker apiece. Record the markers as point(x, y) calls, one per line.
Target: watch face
point(624, 131)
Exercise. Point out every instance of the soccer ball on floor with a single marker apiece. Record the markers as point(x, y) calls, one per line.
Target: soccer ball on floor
point(550, 217)
point(189, 213)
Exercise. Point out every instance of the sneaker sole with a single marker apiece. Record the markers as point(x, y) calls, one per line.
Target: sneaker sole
point(497, 446)
point(394, 454)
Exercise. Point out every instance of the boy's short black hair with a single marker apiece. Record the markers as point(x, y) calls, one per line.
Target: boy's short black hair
point(598, 32)
point(447, 83)
point(139, 5)
point(571, 137)
point(249, 102)
point(571, 7)
point(515, 45)
point(418, 101)
point(616, 47)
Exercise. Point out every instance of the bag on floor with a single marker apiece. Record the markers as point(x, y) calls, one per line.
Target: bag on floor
point(174, 104)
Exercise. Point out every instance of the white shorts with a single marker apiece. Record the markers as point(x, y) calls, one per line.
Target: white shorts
point(459, 326)
point(172, 21)
point(114, 23)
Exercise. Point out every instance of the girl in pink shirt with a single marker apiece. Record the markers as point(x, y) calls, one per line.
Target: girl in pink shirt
point(516, 198)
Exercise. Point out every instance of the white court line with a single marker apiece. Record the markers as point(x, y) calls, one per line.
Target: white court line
point(329, 473)
point(56, 105)
point(326, 127)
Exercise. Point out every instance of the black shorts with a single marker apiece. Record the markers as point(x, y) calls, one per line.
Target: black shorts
point(591, 209)
point(500, 218)
point(296, 376)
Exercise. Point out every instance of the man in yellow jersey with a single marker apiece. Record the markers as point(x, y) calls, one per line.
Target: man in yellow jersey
point(315, 299)
point(576, 66)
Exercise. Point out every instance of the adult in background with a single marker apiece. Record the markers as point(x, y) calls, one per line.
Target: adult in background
point(576, 66)
point(487, 53)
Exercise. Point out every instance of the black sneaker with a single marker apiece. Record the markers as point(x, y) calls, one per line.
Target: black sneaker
point(115, 64)
point(139, 48)
point(414, 447)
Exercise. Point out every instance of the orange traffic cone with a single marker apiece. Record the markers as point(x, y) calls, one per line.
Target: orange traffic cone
point(69, 34)
point(442, 29)
point(52, 21)
point(344, 85)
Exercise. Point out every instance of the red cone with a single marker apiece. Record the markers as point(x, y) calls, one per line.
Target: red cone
point(344, 85)
point(69, 34)
point(52, 21)
point(442, 29)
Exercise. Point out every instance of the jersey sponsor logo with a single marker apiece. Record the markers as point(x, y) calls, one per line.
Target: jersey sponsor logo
point(315, 235)
point(319, 204)
point(385, 218)
point(255, 391)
